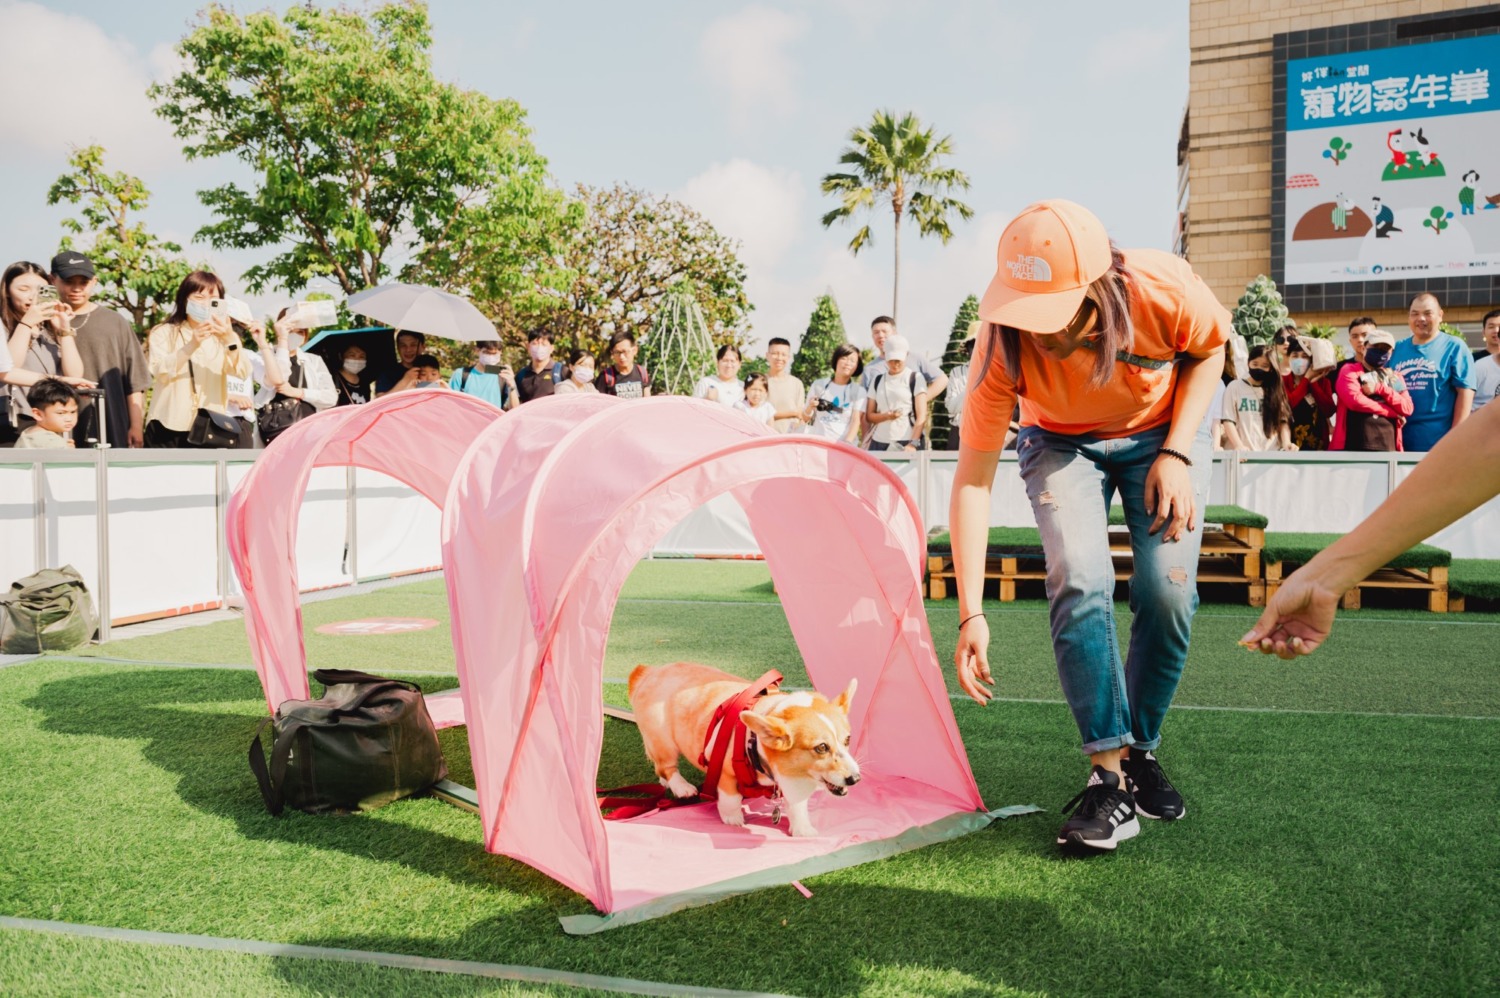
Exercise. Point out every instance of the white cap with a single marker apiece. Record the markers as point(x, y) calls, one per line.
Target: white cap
point(896, 347)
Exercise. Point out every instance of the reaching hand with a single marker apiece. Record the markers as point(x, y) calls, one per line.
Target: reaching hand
point(971, 660)
point(1297, 619)
point(1169, 498)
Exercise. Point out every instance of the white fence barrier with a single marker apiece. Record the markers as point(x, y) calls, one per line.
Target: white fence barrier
point(160, 550)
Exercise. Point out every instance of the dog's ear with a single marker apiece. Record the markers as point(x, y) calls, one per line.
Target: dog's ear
point(842, 703)
point(772, 732)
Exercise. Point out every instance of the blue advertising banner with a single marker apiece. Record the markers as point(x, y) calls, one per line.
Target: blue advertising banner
point(1392, 84)
point(1393, 164)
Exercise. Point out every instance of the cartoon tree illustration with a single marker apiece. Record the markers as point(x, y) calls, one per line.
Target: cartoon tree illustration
point(1438, 220)
point(1338, 150)
point(1260, 312)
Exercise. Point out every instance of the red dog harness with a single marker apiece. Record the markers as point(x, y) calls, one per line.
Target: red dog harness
point(727, 738)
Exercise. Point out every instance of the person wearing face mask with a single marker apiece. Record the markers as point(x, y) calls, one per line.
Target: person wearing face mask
point(1309, 391)
point(1373, 400)
point(580, 374)
point(1114, 356)
point(294, 384)
point(1255, 412)
point(353, 382)
point(541, 376)
point(191, 357)
point(488, 378)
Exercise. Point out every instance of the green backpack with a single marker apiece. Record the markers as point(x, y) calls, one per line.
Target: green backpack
point(48, 611)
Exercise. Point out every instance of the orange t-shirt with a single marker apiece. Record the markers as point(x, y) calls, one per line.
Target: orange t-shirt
point(1172, 312)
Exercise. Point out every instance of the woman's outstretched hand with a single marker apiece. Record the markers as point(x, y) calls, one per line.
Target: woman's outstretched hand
point(1297, 619)
point(971, 660)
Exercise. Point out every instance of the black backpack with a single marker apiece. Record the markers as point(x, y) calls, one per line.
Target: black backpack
point(368, 741)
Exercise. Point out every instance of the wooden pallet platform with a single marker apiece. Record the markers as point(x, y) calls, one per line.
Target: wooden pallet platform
point(1433, 581)
point(1230, 555)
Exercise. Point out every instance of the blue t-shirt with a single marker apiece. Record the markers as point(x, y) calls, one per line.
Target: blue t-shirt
point(1433, 372)
point(480, 385)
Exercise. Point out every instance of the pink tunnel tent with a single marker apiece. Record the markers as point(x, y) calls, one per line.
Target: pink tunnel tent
point(547, 515)
point(416, 437)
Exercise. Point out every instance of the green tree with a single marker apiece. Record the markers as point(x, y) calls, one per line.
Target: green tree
point(825, 332)
point(137, 271)
point(897, 162)
point(953, 355)
point(361, 155)
point(633, 250)
point(1260, 313)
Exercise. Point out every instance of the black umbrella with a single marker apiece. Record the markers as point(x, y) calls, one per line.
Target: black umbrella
point(378, 343)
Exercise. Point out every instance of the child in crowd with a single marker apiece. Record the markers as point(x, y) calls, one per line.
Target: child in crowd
point(1255, 414)
point(429, 372)
point(54, 406)
point(757, 400)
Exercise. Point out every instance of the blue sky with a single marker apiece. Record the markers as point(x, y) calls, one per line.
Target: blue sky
point(738, 109)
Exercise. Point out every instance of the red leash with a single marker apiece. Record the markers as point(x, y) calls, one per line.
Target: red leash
point(726, 732)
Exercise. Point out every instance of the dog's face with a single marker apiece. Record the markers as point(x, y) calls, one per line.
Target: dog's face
point(807, 738)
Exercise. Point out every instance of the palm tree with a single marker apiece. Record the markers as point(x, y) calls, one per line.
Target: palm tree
point(897, 161)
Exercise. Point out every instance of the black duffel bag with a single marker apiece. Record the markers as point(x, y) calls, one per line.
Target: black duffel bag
point(367, 742)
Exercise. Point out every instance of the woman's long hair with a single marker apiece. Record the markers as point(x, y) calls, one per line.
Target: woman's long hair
point(1275, 409)
point(198, 280)
point(1109, 297)
point(20, 268)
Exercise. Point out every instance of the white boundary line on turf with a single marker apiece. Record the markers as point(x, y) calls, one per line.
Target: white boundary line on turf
point(959, 697)
point(963, 697)
point(401, 961)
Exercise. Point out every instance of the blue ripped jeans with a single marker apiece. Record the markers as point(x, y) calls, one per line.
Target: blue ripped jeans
point(1071, 481)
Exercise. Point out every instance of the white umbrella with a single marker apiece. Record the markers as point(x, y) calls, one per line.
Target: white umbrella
point(423, 310)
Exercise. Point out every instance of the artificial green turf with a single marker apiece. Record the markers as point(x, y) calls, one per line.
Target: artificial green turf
point(77, 966)
point(1477, 577)
point(1300, 548)
point(1028, 540)
point(1323, 852)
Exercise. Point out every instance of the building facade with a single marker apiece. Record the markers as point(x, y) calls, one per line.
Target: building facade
point(1243, 199)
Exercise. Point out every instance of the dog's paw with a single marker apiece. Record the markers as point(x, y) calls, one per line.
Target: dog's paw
point(731, 812)
point(802, 830)
point(679, 787)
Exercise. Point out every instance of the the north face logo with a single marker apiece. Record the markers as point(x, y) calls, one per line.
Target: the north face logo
point(1030, 268)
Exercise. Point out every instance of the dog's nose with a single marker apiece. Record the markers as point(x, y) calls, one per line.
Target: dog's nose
point(851, 779)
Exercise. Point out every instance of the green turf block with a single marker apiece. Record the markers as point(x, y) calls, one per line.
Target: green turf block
point(1237, 516)
point(1003, 541)
point(1477, 577)
point(1300, 548)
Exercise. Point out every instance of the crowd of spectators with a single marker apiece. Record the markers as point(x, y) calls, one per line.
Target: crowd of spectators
point(75, 371)
point(1392, 395)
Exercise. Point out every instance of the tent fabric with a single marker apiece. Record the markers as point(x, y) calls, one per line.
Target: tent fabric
point(417, 437)
point(547, 514)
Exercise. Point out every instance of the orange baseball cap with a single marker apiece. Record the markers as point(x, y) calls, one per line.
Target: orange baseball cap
point(1048, 256)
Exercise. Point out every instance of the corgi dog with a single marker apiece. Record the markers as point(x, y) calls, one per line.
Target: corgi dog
point(801, 739)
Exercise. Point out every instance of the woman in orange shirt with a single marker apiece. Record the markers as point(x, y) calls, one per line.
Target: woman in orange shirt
point(1114, 356)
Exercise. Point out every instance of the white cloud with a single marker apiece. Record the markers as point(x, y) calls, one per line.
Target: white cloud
point(88, 87)
point(761, 206)
point(745, 53)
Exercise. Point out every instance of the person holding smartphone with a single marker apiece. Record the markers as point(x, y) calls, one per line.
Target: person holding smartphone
point(191, 357)
point(39, 339)
point(488, 378)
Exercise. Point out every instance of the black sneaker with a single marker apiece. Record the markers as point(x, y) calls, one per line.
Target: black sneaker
point(1105, 815)
point(1155, 797)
